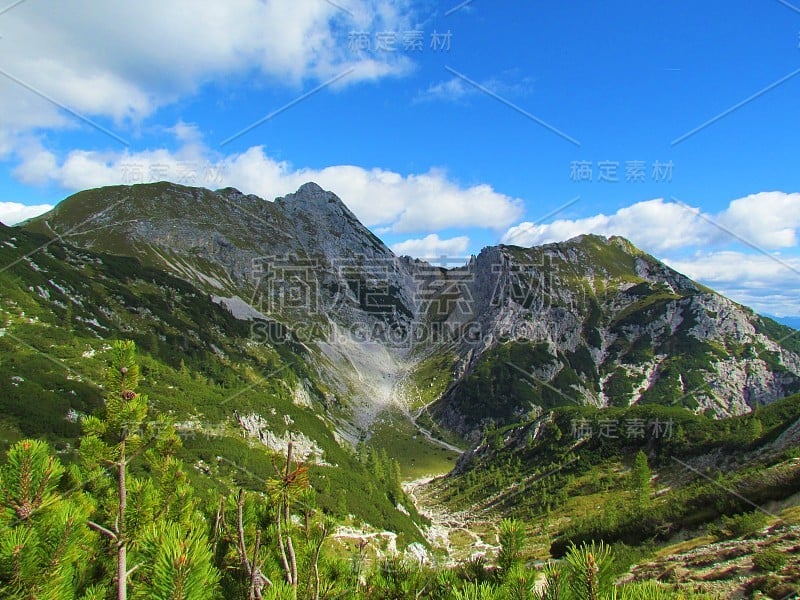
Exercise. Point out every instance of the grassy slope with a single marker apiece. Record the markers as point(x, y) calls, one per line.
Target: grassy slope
point(402, 441)
point(569, 491)
point(60, 306)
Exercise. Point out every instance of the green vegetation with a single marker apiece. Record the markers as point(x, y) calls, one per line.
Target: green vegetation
point(143, 481)
point(241, 546)
point(640, 480)
point(769, 560)
point(512, 542)
point(741, 525)
point(199, 367)
point(503, 388)
point(431, 377)
point(534, 472)
point(396, 437)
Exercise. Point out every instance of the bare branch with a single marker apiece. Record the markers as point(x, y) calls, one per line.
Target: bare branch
point(103, 530)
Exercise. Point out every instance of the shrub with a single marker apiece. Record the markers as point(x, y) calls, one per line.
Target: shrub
point(741, 525)
point(770, 560)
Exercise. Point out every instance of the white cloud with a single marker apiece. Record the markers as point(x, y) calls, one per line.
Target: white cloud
point(12, 213)
point(415, 203)
point(769, 284)
point(456, 88)
point(747, 270)
point(123, 60)
point(432, 246)
point(450, 90)
point(769, 220)
point(37, 165)
point(426, 202)
point(653, 224)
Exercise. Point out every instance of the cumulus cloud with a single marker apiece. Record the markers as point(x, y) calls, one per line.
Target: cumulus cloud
point(123, 60)
point(768, 283)
point(426, 202)
point(769, 220)
point(12, 213)
point(389, 201)
point(432, 247)
point(747, 270)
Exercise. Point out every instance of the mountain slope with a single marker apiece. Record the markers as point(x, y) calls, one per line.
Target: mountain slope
point(262, 321)
point(588, 321)
point(303, 260)
point(235, 402)
point(596, 321)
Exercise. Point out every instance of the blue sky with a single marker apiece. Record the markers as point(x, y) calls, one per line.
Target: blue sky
point(445, 126)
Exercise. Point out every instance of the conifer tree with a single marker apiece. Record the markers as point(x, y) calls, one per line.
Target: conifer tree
point(284, 490)
point(41, 531)
point(114, 441)
point(512, 542)
point(640, 479)
point(111, 443)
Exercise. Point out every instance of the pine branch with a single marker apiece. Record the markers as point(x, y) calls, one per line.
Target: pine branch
point(282, 547)
point(219, 524)
point(103, 530)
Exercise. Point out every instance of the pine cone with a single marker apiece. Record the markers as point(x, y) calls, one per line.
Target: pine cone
point(24, 511)
point(128, 395)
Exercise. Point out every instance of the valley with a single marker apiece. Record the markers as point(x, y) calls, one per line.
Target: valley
point(481, 427)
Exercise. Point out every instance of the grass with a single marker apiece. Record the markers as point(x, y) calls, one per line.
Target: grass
point(418, 457)
point(685, 546)
point(430, 377)
point(176, 328)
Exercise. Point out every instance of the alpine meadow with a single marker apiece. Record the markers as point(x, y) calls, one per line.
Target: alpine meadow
point(399, 300)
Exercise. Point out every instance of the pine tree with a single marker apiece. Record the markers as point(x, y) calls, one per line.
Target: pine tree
point(123, 435)
point(175, 563)
point(589, 574)
point(116, 441)
point(284, 490)
point(512, 542)
point(42, 532)
point(325, 527)
point(754, 429)
point(640, 479)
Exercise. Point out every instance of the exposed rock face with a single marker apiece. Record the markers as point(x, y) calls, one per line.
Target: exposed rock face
point(611, 325)
point(303, 449)
point(590, 320)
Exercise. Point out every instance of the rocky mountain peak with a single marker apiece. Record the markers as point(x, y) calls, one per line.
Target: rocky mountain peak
point(311, 197)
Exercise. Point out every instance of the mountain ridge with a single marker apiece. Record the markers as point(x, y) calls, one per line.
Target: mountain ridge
point(591, 318)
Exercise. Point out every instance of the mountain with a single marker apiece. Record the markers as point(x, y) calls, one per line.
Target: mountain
point(235, 403)
point(597, 321)
point(535, 382)
point(588, 321)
